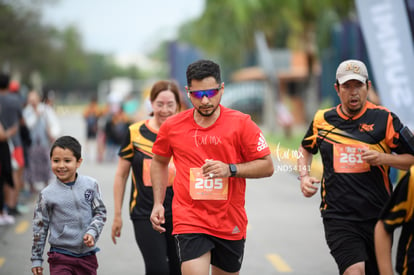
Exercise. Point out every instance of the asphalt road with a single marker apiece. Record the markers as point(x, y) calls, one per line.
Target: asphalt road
point(285, 234)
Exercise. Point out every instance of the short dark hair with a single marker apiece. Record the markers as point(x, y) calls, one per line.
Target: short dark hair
point(165, 85)
point(366, 83)
point(202, 69)
point(4, 81)
point(70, 143)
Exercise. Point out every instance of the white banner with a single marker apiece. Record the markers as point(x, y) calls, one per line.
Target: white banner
point(388, 37)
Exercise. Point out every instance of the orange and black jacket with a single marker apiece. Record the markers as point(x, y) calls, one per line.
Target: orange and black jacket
point(350, 188)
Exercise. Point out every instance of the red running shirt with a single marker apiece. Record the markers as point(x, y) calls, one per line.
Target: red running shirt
point(233, 138)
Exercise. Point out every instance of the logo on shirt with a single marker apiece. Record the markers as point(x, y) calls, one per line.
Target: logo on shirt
point(235, 230)
point(262, 143)
point(363, 127)
point(89, 195)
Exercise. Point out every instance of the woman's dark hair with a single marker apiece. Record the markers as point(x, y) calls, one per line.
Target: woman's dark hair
point(70, 143)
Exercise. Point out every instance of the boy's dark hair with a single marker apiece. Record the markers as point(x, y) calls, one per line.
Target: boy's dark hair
point(202, 69)
point(4, 81)
point(68, 142)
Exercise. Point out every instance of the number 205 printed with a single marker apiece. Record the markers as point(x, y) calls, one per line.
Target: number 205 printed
point(209, 183)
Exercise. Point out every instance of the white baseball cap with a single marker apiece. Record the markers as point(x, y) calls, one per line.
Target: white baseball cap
point(351, 69)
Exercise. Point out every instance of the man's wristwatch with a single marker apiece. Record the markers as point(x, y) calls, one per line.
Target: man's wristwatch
point(233, 170)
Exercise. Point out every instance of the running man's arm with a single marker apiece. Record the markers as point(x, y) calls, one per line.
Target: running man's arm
point(375, 158)
point(306, 181)
point(258, 168)
point(159, 179)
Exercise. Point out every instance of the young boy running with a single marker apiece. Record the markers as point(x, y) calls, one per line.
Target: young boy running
point(72, 210)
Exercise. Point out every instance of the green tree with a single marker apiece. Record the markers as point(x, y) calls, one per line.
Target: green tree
point(29, 47)
point(226, 28)
point(23, 38)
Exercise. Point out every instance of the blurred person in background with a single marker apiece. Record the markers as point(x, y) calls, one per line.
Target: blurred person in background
point(14, 88)
point(40, 119)
point(91, 115)
point(158, 250)
point(116, 128)
point(10, 116)
point(284, 118)
point(49, 99)
point(357, 141)
point(5, 170)
point(131, 105)
point(100, 134)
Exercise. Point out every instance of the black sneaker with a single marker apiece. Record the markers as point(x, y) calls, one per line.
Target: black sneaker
point(13, 211)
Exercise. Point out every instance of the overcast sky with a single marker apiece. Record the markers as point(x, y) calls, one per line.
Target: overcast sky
point(123, 26)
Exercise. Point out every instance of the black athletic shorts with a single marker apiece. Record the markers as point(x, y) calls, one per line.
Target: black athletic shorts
point(351, 242)
point(225, 254)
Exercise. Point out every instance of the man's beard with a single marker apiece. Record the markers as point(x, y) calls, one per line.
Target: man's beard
point(207, 114)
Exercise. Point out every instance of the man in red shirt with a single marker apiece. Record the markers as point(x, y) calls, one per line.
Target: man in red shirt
point(214, 150)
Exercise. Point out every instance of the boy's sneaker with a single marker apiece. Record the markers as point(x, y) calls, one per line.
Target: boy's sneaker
point(6, 219)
